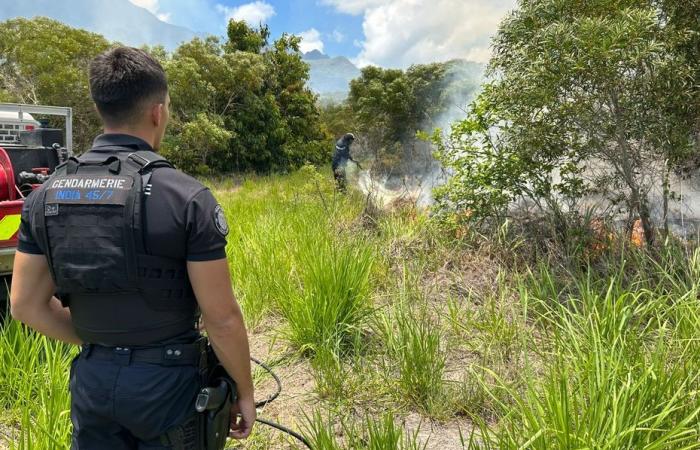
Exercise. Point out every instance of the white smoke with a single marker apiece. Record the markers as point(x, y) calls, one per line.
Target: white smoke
point(419, 172)
point(385, 191)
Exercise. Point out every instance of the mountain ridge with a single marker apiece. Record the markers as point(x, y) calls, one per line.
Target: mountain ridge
point(117, 20)
point(330, 75)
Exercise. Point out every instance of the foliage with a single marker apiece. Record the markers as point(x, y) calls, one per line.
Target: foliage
point(238, 105)
point(338, 119)
point(202, 140)
point(44, 61)
point(584, 98)
point(255, 91)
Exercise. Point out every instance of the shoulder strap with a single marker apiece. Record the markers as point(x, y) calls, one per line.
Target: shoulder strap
point(71, 166)
point(147, 160)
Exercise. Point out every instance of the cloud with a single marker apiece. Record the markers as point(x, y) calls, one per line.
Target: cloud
point(252, 13)
point(154, 7)
point(403, 32)
point(151, 5)
point(337, 36)
point(310, 40)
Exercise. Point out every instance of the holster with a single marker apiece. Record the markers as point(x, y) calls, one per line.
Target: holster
point(214, 401)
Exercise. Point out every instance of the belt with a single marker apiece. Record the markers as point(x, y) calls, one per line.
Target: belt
point(167, 355)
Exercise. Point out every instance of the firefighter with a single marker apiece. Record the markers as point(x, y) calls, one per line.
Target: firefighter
point(133, 250)
point(341, 156)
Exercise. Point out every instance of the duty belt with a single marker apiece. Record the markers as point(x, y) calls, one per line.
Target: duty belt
point(167, 355)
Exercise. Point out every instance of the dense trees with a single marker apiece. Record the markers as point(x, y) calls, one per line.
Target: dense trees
point(44, 61)
point(241, 104)
point(585, 97)
point(252, 98)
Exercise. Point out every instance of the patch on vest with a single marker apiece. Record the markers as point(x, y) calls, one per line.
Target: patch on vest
point(50, 210)
point(220, 220)
point(89, 190)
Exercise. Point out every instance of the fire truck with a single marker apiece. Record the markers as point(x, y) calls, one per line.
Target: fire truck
point(29, 153)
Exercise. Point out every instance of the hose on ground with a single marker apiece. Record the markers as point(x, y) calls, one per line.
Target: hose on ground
point(270, 399)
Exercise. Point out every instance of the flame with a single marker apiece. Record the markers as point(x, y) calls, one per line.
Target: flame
point(637, 238)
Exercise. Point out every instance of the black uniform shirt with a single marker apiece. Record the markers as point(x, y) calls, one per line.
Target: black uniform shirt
point(182, 220)
point(341, 154)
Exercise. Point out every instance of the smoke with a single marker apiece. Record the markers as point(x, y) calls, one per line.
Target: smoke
point(386, 191)
point(683, 213)
point(683, 201)
point(413, 177)
point(460, 86)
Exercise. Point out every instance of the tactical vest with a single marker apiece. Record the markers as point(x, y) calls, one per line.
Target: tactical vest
point(89, 219)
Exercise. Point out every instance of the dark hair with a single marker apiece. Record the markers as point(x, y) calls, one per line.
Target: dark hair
point(122, 80)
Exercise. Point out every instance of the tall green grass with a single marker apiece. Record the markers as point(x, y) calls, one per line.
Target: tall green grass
point(381, 432)
point(622, 370)
point(329, 302)
point(415, 357)
point(34, 388)
point(290, 256)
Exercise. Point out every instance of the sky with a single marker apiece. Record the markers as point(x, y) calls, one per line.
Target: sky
point(388, 33)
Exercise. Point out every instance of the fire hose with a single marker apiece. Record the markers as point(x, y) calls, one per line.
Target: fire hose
point(270, 399)
point(216, 399)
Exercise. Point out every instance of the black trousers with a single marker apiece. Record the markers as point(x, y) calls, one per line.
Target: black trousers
point(118, 404)
point(340, 177)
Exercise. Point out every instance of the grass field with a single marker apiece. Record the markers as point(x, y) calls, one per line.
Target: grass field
point(388, 332)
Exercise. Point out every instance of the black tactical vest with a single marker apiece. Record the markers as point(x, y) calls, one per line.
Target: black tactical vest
point(89, 220)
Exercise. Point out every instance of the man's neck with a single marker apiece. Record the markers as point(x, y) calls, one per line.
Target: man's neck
point(141, 134)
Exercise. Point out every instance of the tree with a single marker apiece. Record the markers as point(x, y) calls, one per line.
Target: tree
point(390, 106)
point(255, 91)
point(45, 62)
point(201, 141)
point(585, 97)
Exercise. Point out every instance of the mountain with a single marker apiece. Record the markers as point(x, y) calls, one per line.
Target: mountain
point(315, 55)
point(117, 20)
point(330, 77)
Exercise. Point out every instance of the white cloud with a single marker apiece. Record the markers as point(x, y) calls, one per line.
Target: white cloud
point(337, 36)
point(151, 5)
point(310, 40)
point(403, 32)
point(154, 7)
point(252, 13)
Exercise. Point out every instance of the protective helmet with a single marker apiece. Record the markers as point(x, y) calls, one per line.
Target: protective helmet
point(349, 137)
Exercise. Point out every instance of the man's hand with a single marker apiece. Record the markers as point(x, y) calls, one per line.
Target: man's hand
point(223, 320)
point(243, 416)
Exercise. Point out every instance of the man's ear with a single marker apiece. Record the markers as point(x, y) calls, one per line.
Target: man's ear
point(157, 114)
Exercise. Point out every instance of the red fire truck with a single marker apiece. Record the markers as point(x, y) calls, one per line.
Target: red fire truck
point(29, 152)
